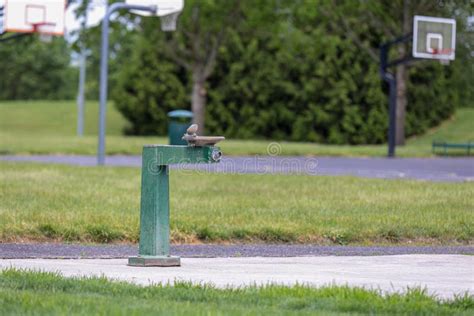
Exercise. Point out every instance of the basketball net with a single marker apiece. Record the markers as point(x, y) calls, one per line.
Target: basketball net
point(168, 22)
point(444, 62)
point(43, 37)
point(440, 55)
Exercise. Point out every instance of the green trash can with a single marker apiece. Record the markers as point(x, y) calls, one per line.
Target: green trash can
point(179, 121)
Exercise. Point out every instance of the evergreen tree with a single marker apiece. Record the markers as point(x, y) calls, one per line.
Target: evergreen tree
point(31, 69)
point(285, 71)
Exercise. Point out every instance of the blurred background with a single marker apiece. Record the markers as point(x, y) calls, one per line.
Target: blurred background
point(305, 71)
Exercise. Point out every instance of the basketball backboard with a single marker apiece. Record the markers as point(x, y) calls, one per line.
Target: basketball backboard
point(35, 16)
point(434, 38)
point(167, 10)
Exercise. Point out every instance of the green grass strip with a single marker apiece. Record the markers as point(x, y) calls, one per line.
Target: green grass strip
point(88, 204)
point(40, 293)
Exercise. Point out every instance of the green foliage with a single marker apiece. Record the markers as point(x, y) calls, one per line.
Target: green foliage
point(121, 46)
point(432, 96)
point(313, 88)
point(287, 73)
point(288, 70)
point(31, 69)
point(149, 88)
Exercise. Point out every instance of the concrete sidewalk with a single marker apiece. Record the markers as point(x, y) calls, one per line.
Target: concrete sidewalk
point(442, 275)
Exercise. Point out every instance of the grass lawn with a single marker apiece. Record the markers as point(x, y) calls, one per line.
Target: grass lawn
point(37, 293)
point(89, 204)
point(43, 127)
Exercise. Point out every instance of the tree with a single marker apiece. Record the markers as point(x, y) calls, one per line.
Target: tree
point(286, 71)
point(292, 79)
point(148, 84)
point(123, 29)
point(31, 69)
point(390, 19)
point(203, 27)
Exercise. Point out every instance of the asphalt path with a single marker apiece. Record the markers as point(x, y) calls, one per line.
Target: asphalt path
point(79, 251)
point(450, 169)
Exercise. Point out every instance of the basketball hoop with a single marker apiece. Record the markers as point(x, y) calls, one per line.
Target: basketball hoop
point(445, 51)
point(44, 37)
point(443, 55)
point(168, 22)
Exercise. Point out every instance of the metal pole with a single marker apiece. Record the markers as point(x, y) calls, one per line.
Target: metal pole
point(104, 70)
point(392, 125)
point(392, 83)
point(82, 80)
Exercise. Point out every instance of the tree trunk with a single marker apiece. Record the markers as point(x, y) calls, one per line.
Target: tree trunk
point(198, 101)
point(401, 103)
point(402, 79)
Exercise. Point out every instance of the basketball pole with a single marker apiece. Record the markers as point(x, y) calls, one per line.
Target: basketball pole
point(82, 80)
point(391, 79)
point(104, 56)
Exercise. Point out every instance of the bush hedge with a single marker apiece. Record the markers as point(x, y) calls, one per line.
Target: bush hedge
point(302, 84)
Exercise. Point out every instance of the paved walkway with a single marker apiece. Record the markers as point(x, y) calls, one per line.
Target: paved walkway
point(79, 251)
point(443, 275)
point(431, 169)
